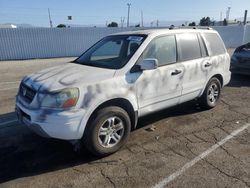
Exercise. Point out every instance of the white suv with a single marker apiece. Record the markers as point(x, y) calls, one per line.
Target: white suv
point(98, 98)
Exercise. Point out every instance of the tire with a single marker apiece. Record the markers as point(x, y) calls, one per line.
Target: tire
point(208, 99)
point(99, 138)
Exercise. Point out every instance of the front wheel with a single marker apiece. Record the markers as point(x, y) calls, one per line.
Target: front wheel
point(211, 94)
point(107, 131)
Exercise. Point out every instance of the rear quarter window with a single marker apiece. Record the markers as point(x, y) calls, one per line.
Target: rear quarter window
point(214, 43)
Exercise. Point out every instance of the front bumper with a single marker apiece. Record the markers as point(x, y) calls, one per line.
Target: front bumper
point(52, 123)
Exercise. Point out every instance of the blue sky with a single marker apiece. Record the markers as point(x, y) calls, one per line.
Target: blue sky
point(97, 12)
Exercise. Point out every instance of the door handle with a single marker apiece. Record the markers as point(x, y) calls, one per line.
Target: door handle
point(176, 72)
point(208, 64)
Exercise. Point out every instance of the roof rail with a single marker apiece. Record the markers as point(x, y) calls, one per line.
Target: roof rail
point(190, 27)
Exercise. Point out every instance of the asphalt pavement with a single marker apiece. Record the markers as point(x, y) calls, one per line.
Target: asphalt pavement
point(183, 146)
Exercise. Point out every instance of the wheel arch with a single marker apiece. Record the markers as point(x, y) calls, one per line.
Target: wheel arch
point(120, 102)
point(203, 99)
point(219, 77)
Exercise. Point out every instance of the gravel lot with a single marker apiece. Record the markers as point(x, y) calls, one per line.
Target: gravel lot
point(164, 144)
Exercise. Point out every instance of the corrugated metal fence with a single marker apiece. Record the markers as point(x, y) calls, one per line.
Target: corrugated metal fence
point(231, 35)
point(246, 34)
point(27, 43)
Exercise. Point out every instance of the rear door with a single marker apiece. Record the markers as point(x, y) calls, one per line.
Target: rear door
point(193, 56)
point(219, 58)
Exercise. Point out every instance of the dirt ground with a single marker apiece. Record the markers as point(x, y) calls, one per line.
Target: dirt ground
point(162, 145)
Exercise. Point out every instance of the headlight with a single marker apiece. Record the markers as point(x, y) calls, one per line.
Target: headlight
point(61, 99)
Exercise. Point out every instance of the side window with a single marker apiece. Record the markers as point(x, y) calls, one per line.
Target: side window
point(215, 43)
point(203, 47)
point(163, 49)
point(108, 51)
point(188, 45)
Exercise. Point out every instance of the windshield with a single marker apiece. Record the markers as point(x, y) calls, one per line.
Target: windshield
point(111, 52)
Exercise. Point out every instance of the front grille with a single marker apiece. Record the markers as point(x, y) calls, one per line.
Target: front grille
point(27, 93)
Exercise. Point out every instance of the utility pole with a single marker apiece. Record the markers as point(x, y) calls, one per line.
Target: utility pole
point(228, 13)
point(220, 16)
point(129, 4)
point(50, 21)
point(122, 21)
point(141, 18)
point(245, 18)
point(157, 23)
point(151, 24)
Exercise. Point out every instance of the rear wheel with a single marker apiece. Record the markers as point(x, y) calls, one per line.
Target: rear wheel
point(211, 94)
point(108, 131)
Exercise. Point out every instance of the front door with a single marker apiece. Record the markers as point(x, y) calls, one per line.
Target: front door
point(160, 88)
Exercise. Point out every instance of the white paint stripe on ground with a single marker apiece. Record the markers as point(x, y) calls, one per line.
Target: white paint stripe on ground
point(8, 122)
point(5, 89)
point(3, 83)
point(188, 165)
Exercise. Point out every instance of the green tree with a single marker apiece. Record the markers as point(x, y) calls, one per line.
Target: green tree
point(113, 24)
point(192, 24)
point(205, 21)
point(61, 26)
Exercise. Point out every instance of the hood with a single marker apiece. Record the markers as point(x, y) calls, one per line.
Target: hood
point(69, 75)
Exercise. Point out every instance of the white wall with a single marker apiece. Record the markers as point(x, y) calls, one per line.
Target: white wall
point(27, 43)
point(231, 35)
point(246, 37)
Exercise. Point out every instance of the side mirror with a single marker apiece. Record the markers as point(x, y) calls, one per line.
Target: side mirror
point(149, 64)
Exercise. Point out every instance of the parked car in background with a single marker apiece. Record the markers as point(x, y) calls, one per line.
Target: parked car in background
point(98, 98)
point(240, 60)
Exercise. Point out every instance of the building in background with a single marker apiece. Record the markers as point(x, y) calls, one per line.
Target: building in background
point(8, 25)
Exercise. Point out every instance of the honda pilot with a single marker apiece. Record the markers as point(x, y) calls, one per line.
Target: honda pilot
point(98, 98)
